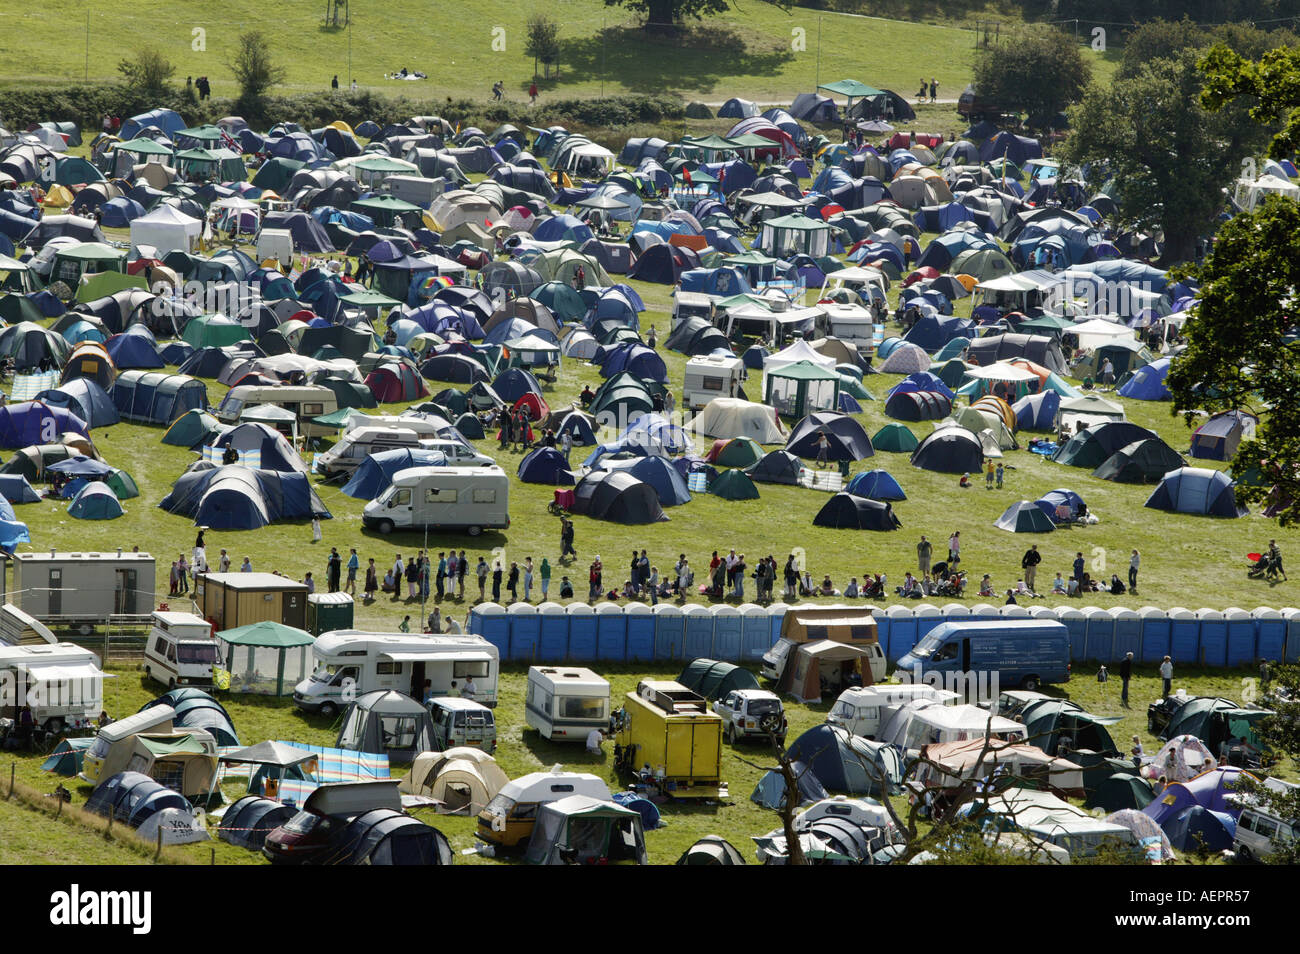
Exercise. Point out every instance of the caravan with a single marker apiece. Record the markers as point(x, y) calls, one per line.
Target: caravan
point(61, 682)
point(350, 662)
point(472, 499)
point(507, 821)
point(564, 703)
point(307, 401)
point(155, 719)
point(864, 710)
point(709, 377)
point(180, 650)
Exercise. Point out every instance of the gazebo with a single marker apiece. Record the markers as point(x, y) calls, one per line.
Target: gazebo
point(266, 657)
point(797, 390)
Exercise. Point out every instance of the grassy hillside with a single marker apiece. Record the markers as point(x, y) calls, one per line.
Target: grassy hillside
point(758, 52)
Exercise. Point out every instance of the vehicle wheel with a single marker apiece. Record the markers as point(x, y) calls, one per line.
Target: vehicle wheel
point(54, 726)
point(329, 710)
point(171, 684)
point(1030, 683)
point(385, 527)
point(474, 531)
point(85, 629)
point(730, 735)
point(1244, 854)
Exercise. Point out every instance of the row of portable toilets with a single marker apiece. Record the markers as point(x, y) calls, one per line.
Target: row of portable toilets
point(578, 632)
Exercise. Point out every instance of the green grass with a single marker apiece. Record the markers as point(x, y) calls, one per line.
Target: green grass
point(757, 51)
point(33, 838)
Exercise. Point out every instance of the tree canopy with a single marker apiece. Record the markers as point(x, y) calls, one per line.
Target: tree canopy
point(1039, 71)
point(1270, 86)
point(670, 14)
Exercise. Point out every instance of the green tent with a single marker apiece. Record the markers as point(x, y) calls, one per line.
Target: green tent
point(103, 284)
point(68, 756)
point(797, 390)
point(275, 174)
point(144, 147)
point(1214, 721)
point(734, 485)
point(122, 484)
point(266, 657)
point(208, 134)
point(742, 452)
point(335, 419)
point(713, 679)
point(385, 209)
point(1121, 790)
point(191, 429)
point(984, 264)
point(852, 386)
point(1046, 325)
point(213, 331)
point(88, 258)
point(368, 298)
point(895, 437)
point(1048, 722)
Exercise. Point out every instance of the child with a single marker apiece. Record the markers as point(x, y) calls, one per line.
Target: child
point(988, 476)
point(999, 475)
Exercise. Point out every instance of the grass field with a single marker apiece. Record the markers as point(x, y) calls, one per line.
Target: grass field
point(757, 51)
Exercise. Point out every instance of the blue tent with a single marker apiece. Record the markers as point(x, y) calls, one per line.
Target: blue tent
point(81, 466)
point(120, 212)
point(240, 498)
point(454, 368)
point(579, 427)
point(35, 422)
point(932, 332)
point(16, 489)
point(923, 381)
point(154, 398)
point(1025, 517)
point(1147, 383)
point(659, 473)
point(168, 120)
point(545, 465)
point(637, 359)
point(1198, 829)
point(1218, 438)
point(95, 501)
point(134, 348)
point(12, 530)
point(1051, 501)
point(1198, 491)
point(376, 472)
point(274, 450)
point(513, 383)
point(84, 398)
point(844, 763)
point(876, 484)
point(950, 450)
point(132, 797)
point(1037, 412)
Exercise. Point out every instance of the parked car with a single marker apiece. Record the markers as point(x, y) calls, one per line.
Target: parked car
point(749, 714)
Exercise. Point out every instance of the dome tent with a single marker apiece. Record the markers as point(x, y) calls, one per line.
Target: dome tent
point(848, 511)
point(463, 778)
point(659, 473)
point(711, 850)
point(545, 465)
point(777, 467)
point(738, 452)
point(375, 473)
point(1142, 462)
point(848, 440)
point(950, 450)
point(1025, 517)
point(895, 438)
point(1218, 438)
point(735, 417)
point(877, 485)
point(388, 722)
point(618, 497)
point(1196, 490)
point(734, 485)
point(1091, 447)
point(95, 501)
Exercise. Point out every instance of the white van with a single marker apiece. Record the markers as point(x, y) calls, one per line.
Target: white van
point(692, 305)
point(275, 245)
point(709, 377)
point(862, 711)
point(417, 190)
point(350, 662)
point(564, 703)
point(472, 499)
point(180, 650)
point(419, 423)
point(850, 323)
point(921, 722)
point(356, 445)
point(458, 721)
point(1260, 833)
point(154, 719)
point(305, 400)
point(61, 682)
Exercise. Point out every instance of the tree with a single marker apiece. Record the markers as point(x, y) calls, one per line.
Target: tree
point(1280, 735)
point(1239, 355)
point(543, 41)
point(1163, 158)
point(1039, 71)
point(669, 15)
point(254, 68)
point(1270, 86)
point(148, 72)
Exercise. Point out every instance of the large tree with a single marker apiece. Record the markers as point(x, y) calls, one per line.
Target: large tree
point(668, 15)
point(1270, 86)
point(1158, 153)
point(1039, 71)
point(1238, 355)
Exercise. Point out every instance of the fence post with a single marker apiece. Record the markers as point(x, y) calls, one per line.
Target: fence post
point(108, 832)
point(13, 769)
point(158, 850)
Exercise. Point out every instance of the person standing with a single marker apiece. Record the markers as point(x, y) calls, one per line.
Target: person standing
point(999, 475)
point(246, 566)
point(405, 625)
point(924, 550)
point(440, 575)
point(462, 567)
point(738, 577)
point(223, 564)
point(315, 529)
point(482, 572)
point(496, 581)
point(372, 580)
point(544, 573)
point(528, 580)
point(183, 569)
point(1029, 563)
point(934, 90)
point(566, 443)
point(1134, 561)
point(566, 538)
point(1166, 676)
point(413, 579)
point(334, 83)
point(1125, 674)
point(1078, 567)
point(354, 564)
point(954, 549)
point(988, 474)
point(399, 574)
point(532, 93)
point(823, 449)
point(333, 568)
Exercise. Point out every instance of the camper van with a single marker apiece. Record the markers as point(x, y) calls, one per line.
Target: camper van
point(362, 442)
point(472, 499)
point(851, 323)
point(351, 662)
point(851, 625)
point(507, 821)
point(1260, 833)
point(305, 400)
point(61, 682)
point(691, 305)
point(275, 245)
point(922, 722)
point(1023, 652)
point(669, 740)
point(155, 719)
point(709, 377)
point(180, 650)
point(863, 710)
point(564, 703)
point(416, 189)
point(458, 721)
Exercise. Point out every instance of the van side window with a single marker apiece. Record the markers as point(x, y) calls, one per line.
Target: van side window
point(1265, 826)
point(313, 410)
point(388, 668)
point(435, 495)
point(485, 495)
point(160, 646)
point(946, 651)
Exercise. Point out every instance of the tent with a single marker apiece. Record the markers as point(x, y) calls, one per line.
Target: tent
point(1215, 721)
point(713, 679)
point(1039, 349)
point(84, 398)
point(131, 797)
point(68, 756)
point(583, 830)
point(711, 850)
point(1142, 462)
point(266, 657)
point(385, 836)
point(734, 485)
point(95, 501)
point(738, 452)
point(618, 497)
point(877, 485)
point(796, 390)
point(770, 792)
point(777, 467)
point(12, 530)
point(848, 511)
point(1091, 447)
point(234, 497)
point(1197, 491)
point(845, 763)
point(375, 473)
point(249, 820)
point(1037, 412)
point(15, 488)
point(35, 422)
point(166, 229)
point(195, 709)
point(30, 346)
point(1052, 502)
point(659, 473)
point(1048, 722)
point(1147, 383)
point(918, 405)
point(895, 438)
point(1119, 791)
point(462, 778)
point(192, 429)
point(847, 438)
point(387, 722)
point(545, 465)
point(735, 417)
point(950, 450)
point(1212, 790)
point(153, 398)
point(1219, 437)
point(1025, 517)
point(395, 381)
point(1201, 830)
point(907, 358)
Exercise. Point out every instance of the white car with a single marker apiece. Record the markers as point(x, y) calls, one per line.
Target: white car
point(747, 713)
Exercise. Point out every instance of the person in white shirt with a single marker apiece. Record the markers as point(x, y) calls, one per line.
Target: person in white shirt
point(453, 626)
point(1167, 674)
point(594, 739)
point(469, 689)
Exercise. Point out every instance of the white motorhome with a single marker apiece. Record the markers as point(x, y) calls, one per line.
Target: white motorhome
point(359, 443)
point(564, 703)
point(350, 662)
point(472, 499)
point(419, 423)
point(307, 401)
point(275, 245)
point(691, 305)
point(864, 710)
point(711, 376)
point(61, 682)
point(154, 719)
point(851, 323)
point(180, 650)
point(923, 722)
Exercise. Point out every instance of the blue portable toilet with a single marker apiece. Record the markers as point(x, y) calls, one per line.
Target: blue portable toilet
point(669, 631)
point(1013, 611)
point(927, 617)
point(776, 619)
point(1155, 634)
point(1184, 635)
point(553, 633)
point(582, 631)
point(525, 630)
point(1291, 616)
point(1100, 637)
point(899, 635)
point(984, 611)
point(698, 639)
point(1270, 634)
point(611, 632)
point(1047, 613)
point(494, 626)
point(952, 611)
point(882, 629)
point(1076, 624)
point(640, 632)
point(755, 632)
point(1128, 633)
point(1241, 636)
point(1214, 637)
point(726, 633)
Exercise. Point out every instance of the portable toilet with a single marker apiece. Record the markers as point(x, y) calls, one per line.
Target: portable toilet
point(640, 632)
point(726, 633)
point(329, 611)
point(1155, 634)
point(1184, 635)
point(1100, 637)
point(1128, 633)
point(1214, 637)
point(669, 631)
point(697, 642)
point(775, 618)
point(1291, 616)
point(1270, 634)
point(1241, 636)
point(955, 611)
point(525, 630)
point(552, 632)
point(984, 611)
point(611, 632)
point(1042, 612)
point(927, 617)
point(494, 626)
point(582, 631)
point(755, 632)
point(881, 616)
point(1076, 624)
point(900, 636)
point(1014, 611)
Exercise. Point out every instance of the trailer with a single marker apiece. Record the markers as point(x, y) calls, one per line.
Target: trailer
point(230, 600)
point(81, 591)
point(669, 741)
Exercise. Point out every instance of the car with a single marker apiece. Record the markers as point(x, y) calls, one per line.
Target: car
point(304, 838)
point(751, 714)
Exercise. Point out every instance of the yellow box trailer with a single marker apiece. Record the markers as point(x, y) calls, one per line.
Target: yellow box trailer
point(668, 738)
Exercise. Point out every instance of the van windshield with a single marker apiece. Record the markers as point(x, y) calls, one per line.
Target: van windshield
point(928, 645)
point(204, 653)
point(232, 405)
point(500, 805)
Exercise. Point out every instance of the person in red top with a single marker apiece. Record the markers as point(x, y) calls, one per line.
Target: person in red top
point(686, 177)
point(532, 93)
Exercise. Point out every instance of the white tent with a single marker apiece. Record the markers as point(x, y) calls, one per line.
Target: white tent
point(801, 350)
point(728, 418)
point(1100, 331)
point(167, 229)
